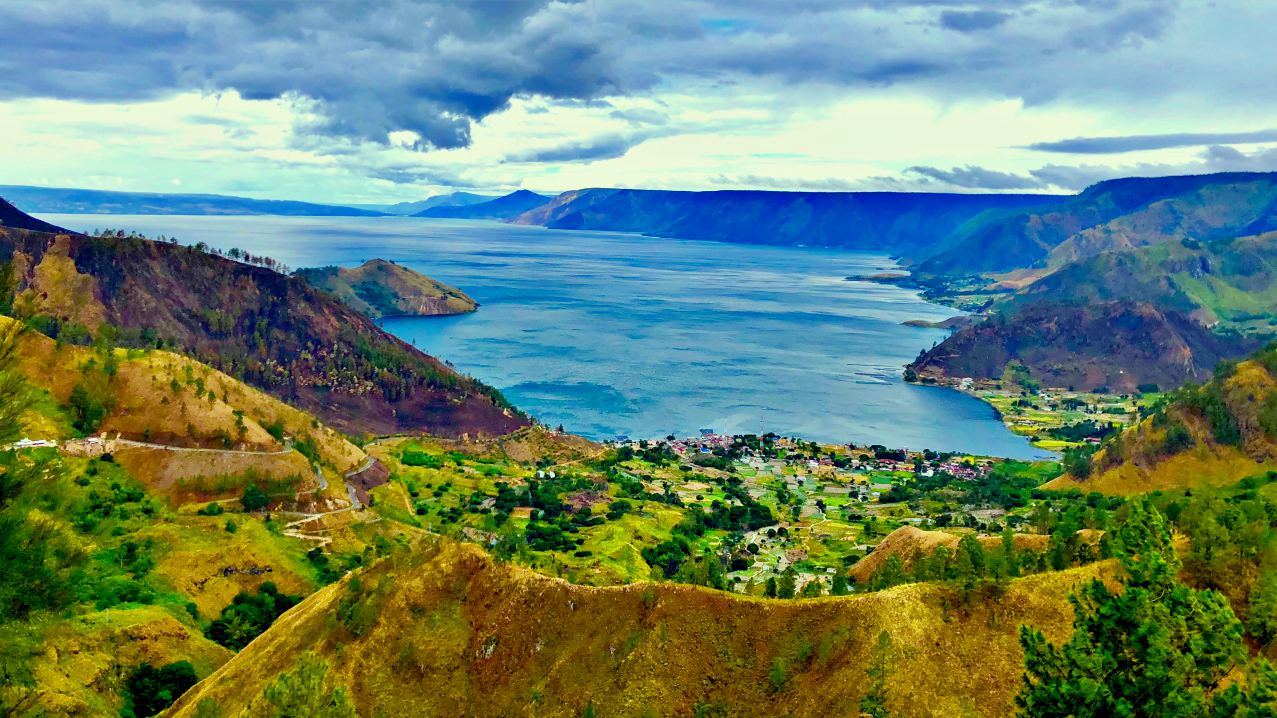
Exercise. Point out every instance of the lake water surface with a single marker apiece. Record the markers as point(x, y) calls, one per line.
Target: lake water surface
point(612, 334)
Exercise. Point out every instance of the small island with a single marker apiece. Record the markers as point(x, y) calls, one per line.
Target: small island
point(379, 288)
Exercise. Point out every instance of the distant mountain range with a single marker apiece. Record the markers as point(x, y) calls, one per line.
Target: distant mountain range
point(506, 207)
point(405, 209)
point(90, 201)
point(1111, 215)
point(902, 223)
point(1134, 281)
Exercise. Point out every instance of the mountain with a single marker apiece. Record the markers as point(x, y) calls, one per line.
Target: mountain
point(1114, 346)
point(404, 209)
point(378, 288)
point(272, 331)
point(11, 216)
point(1161, 314)
point(1215, 434)
point(1226, 284)
point(506, 207)
point(494, 639)
point(1108, 216)
point(900, 222)
point(90, 201)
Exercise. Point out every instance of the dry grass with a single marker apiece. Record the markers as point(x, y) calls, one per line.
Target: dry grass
point(911, 543)
point(171, 399)
point(485, 639)
point(88, 657)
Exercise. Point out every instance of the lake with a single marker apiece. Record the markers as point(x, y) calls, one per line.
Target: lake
point(609, 333)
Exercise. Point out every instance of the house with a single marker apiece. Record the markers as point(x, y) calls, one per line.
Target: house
point(34, 444)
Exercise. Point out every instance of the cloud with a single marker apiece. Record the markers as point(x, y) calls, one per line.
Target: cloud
point(818, 184)
point(972, 21)
point(608, 147)
point(434, 68)
point(1134, 143)
point(973, 177)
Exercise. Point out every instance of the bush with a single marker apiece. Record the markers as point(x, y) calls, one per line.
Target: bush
point(254, 499)
point(412, 457)
point(249, 615)
point(150, 690)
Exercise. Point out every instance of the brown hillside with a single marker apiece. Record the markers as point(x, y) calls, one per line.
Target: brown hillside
point(1148, 457)
point(450, 632)
point(378, 288)
point(1115, 345)
point(274, 331)
point(911, 543)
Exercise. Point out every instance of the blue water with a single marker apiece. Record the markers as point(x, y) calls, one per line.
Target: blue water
point(611, 334)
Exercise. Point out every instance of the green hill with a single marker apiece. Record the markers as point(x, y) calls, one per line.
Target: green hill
point(1163, 314)
point(1112, 215)
point(378, 288)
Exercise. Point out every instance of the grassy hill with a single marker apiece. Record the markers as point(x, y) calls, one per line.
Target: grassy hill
point(1162, 314)
point(495, 639)
point(1210, 435)
point(273, 331)
point(378, 288)
point(160, 397)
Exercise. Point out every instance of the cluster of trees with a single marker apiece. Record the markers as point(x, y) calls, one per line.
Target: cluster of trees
point(1154, 647)
point(248, 615)
point(149, 690)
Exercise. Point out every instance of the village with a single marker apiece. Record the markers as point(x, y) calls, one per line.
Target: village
point(759, 506)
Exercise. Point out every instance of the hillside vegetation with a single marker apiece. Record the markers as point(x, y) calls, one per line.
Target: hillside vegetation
point(494, 639)
point(1210, 435)
point(1111, 216)
point(378, 288)
point(270, 330)
point(1164, 314)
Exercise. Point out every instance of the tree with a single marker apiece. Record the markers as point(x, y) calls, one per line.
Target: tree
point(254, 499)
point(300, 693)
point(839, 587)
point(788, 584)
point(1262, 618)
point(891, 573)
point(1154, 648)
point(874, 702)
point(150, 690)
point(769, 588)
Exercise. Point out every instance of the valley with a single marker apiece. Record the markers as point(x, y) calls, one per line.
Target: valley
point(216, 516)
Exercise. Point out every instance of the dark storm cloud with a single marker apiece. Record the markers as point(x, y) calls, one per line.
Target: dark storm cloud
point(1133, 143)
point(435, 67)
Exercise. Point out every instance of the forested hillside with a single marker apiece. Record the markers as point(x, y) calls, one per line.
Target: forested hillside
point(274, 331)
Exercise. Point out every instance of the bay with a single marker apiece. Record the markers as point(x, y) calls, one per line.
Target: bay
point(610, 334)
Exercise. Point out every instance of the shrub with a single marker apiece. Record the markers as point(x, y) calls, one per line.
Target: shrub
point(150, 690)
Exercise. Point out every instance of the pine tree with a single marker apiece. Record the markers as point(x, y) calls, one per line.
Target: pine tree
point(1154, 648)
point(300, 693)
point(788, 584)
point(874, 702)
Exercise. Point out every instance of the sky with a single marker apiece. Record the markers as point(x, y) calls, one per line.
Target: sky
point(368, 102)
